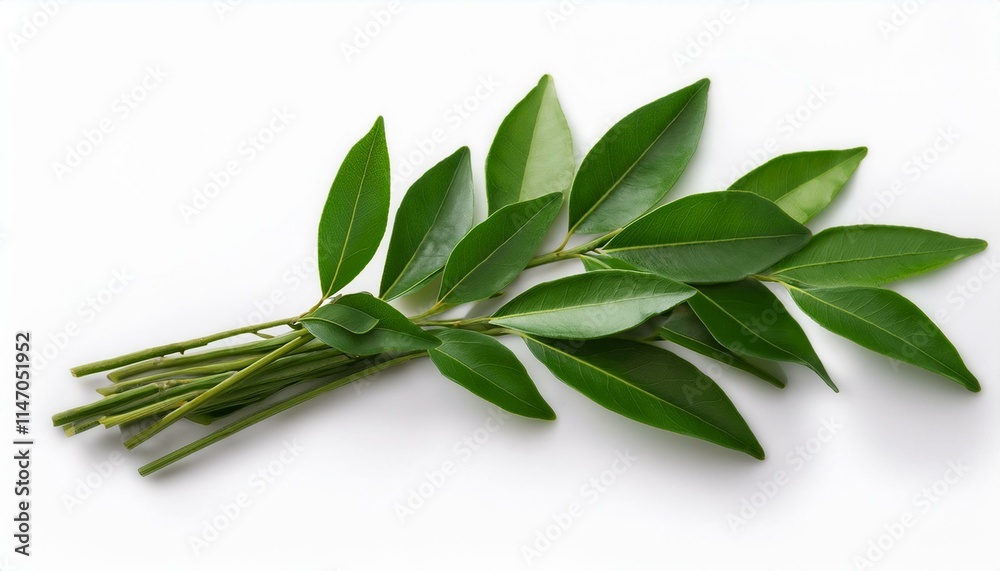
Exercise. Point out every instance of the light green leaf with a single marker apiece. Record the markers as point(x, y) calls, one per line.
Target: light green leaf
point(650, 385)
point(344, 316)
point(802, 184)
point(495, 251)
point(684, 328)
point(592, 304)
point(637, 161)
point(709, 238)
point(356, 212)
point(489, 370)
point(434, 215)
point(393, 332)
point(532, 153)
point(887, 323)
point(872, 255)
point(746, 318)
point(595, 262)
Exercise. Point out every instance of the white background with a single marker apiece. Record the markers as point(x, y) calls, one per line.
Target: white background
point(893, 77)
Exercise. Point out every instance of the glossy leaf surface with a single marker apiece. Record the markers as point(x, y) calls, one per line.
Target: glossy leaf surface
point(532, 153)
point(872, 255)
point(684, 328)
point(434, 216)
point(887, 323)
point(489, 370)
point(650, 385)
point(637, 161)
point(802, 184)
point(746, 318)
point(393, 332)
point(709, 238)
point(493, 253)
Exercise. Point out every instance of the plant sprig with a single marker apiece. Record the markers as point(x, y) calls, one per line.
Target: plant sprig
point(693, 271)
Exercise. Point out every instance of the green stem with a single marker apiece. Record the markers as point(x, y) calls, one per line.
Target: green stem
point(268, 412)
point(148, 410)
point(179, 413)
point(561, 253)
point(180, 347)
point(102, 406)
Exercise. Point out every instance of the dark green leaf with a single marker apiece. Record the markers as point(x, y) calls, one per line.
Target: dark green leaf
point(495, 251)
point(489, 370)
point(746, 318)
point(802, 184)
point(532, 153)
point(709, 238)
point(434, 215)
point(394, 332)
point(356, 212)
point(648, 384)
point(353, 320)
point(887, 323)
point(871, 255)
point(684, 328)
point(637, 161)
point(593, 304)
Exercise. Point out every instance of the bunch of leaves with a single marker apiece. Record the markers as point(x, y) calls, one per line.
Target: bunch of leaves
point(690, 273)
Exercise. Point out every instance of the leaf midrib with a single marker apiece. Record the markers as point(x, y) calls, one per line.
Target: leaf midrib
point(884, 330)
point(642, 155)
point(584, 306)
point(486, 379)
point(644, 391)
point(354, 212)
point(437, 215)
point(817, 177)
point(703, 242)
point(492, 253)
point(783, 271)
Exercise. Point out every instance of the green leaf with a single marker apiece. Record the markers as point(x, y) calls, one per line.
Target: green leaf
point(746, 318)
point(802, 184)
point(709, 238)
point(356, 212)
point(394, 332)
point(494, 252)
point(637, 161)
point(532, 153)
point(435, 214)
point(344, 316)
point(872, 255)
point(592, 304)
point(887, 323)
point(648, 384)
point(489, 370)
point(684, 328)
point(595, 262)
